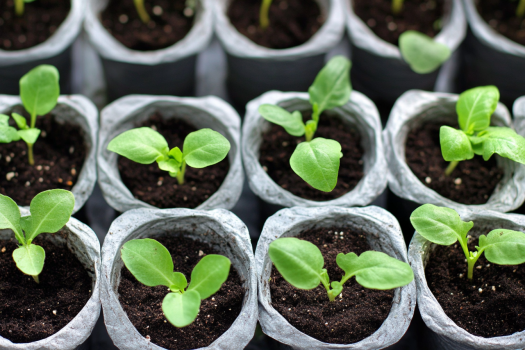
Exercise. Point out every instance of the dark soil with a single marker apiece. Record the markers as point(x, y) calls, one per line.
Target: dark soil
point(352, 318)
point(292, 22)
point(278, 146)
point(497, 310)
point(421, 15)
point(31, 311)
point(501, 16)
point(59, 155)
point(472, 182)
point(156, 187)
point(168, 23)
point(40, 21)
point(217, 313)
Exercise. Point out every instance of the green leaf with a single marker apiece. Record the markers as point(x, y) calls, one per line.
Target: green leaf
point(375, 270)
point(422, 53)
point(151, 264)
point(142, 145)
point(291, 122)
point(170, 165)
point(8, 134)
point(337, 288)
point(29, 135)
point(209, 274)
point(501, 140)
point(181, 309)
point(455, 144)
point(299, 262)
point(205, 147)
point(39, 89)
point(317, 163)
point(20, 121)
point(10, 217)
point(30, 259)
point(176, 153)
point(503, 247)
point(331, 87)
point(475, 107)
point(440, 225)
point(4, 120)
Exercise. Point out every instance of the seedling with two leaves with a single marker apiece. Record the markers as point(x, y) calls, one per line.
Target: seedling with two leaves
point(301, 264)
point(151, 264)
point(444, 226)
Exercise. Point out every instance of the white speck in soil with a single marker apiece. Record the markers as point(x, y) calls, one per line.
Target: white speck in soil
point(9, 176)
point(157, 10)
point(123, 19)
point(391, 26)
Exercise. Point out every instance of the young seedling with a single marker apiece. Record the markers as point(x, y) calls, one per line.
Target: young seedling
point(476, 136)
point(443, 226)
point(422, 53)
point(301, 264)
point(397, 6)
point(316, 161)
point(19, 6)
point(141, 10)
point(151, 264)
point(144, 145)
point(264, 20)
point(50, 211)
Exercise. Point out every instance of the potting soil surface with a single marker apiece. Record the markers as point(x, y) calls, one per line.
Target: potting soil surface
point(278, 146)
point(472, 182)
point(421, 15)
point(292, 22)
point(143, 304)
point(156, 187)
point(501, 16)
point(358, 314)
point(33, 311)
point(40, 21)
point(170, 21)
point(59, 155)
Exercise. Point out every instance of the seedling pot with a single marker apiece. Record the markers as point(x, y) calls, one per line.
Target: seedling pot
point(384, 235)
point(169, 71)
point(379, 70)
point(219, 228)
point(359, 112)
point(55, 51)
point(204, 112)
point(254, 69)
point(80, 111)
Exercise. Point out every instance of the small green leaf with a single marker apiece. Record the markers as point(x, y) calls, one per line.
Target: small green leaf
point(10, 217)
point(503, 247)
point(20, 121)
point(209, 274)
point(337, 288)
point(176, 153)
point(30, 259)
point(291, 122)
point(475, 107)
point(455, 144)
point(299, 262)
point(8, 134)
point(317, 163)
point(170, 165)
point(422, 53)
point(29, 135)
point(205, 147)
point(142, 145)
point(500, 140)
point(181, 309)
point(39, 89)
point(4, 120)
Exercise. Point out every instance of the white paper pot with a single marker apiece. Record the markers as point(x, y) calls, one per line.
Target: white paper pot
point(55, 51)
point(220, 228)
point(169, 71)
point(80, 111)
point(84, 244)
point(255, 69)
point(379, 70)
point(203, 112)
point(359, 112)
point(445, 334)
point(384, 235)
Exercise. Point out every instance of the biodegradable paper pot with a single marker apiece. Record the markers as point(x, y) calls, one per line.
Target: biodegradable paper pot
point(359, 112)
point(84, 244)
point(445, 334)
point(384, 235)
point(169, 71)
point(203, 112)
point(413, 109)
point(220, 228)
point(55, 51)
point(80, 111)
point(519, 115)
point(379, 70)
point(255, 69)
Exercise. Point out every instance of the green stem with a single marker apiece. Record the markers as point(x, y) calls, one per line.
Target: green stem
point(30, 154)
point(308, 134)
point(264, 20)
point(397, 6)
point(180, 174)
point(19, 7)
point(520, 12)
point(37, 280)
point(451, 167)
point(141, 10)
point(33, 120)
point(331, 295)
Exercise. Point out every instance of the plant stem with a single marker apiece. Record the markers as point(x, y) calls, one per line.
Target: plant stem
point(331, 296)
point(180, 174)
point(37, 280)
point(264, 20)
point(19, 7)
point(451, 167)
point(397, 6)
point(308, 134)
point(141, 10)
point(520, 11)
point(30, 154)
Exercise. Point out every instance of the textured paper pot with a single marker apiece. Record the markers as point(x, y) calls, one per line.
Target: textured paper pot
point(384, 235)
point(220, 228)
point(77, 110)
point(84, 244)
point(378, 69)
point(445, 334)
point(55, 51)
point(254, 69)
point(203, 112)
point(359, 112)
point(169, 71)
